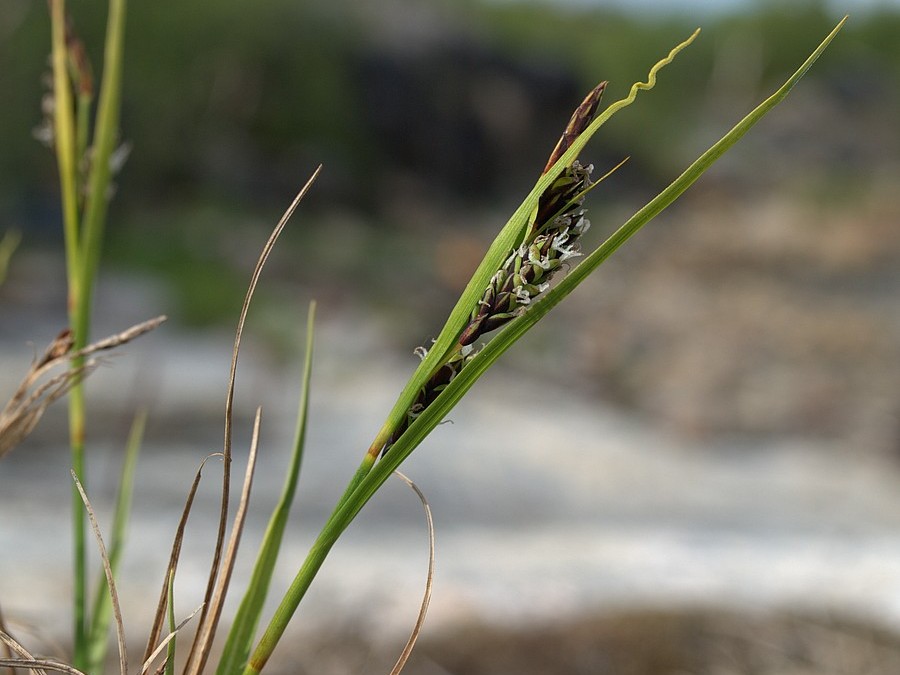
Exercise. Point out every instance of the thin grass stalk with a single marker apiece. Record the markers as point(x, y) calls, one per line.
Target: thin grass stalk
point(174, 555)
point(39, 666)
point(349, 507)
point(64, 142)
point(90, 237)
point(240, 637)
point(229, 412)
point(429, 579)
point(110, 581)
point(105, 137)
point(207, 631)
point(82, 243)
point(7, 650)
point(79, 534)
point(102, 608)
point(164, 644)
point(173, 631)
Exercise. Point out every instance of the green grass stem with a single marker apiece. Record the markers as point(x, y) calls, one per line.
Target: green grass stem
point(243, 628)
point(64, 142)
point(101, 613)
point(106, 134)
point(83, 240)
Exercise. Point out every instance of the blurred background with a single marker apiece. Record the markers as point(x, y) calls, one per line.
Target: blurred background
point(692, 466)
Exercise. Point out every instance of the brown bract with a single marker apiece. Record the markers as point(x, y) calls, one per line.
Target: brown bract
point(580, 120)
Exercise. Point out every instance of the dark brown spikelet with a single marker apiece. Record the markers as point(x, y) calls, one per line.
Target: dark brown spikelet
point(580, 120)
point(551, 240)
point(428, 393)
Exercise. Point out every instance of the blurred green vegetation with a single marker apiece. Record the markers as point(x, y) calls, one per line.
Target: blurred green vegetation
point(420, 112)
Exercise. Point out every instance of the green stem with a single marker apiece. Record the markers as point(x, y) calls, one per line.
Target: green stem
point(79, 566)
point(83, 241)
point(106, 132)
point(82, 118)
point(340, 518)
point(64, 138)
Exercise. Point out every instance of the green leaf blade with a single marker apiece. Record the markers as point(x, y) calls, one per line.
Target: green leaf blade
point(240, 637)
point(101, 616)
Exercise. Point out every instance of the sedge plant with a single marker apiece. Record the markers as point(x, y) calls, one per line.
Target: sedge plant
point(509, 291)
point(508, 294)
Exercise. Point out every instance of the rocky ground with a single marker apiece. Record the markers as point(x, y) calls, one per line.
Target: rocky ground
point(698, 642)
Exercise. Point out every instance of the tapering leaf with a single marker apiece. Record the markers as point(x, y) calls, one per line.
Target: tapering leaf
point(102, 608)
point(240, 637)
point(171, 648)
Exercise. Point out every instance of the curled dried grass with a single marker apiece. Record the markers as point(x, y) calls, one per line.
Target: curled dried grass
point(110, 580)
point(39, 388)
point(165, 642)
point(24, 659)
point(429, 581)
point(171, 568)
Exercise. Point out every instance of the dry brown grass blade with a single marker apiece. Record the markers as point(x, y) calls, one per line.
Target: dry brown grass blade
point(207, 632)
point(118, 339)
point(162, 645)
point(429, 582)
point(160, 617)
point(40, 665)
point(229, 407)
point(19, 418)
point(32, 397)
point(24, 656)
point(110, 580)
point(7, 650)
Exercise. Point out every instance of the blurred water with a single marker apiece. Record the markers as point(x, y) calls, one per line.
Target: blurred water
point(545, 504)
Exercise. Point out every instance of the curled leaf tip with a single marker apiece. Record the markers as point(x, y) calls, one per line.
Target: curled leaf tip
point(651, 77)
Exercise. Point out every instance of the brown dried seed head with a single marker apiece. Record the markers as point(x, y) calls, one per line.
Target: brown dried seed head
point(580, 120)
point(61, 345)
